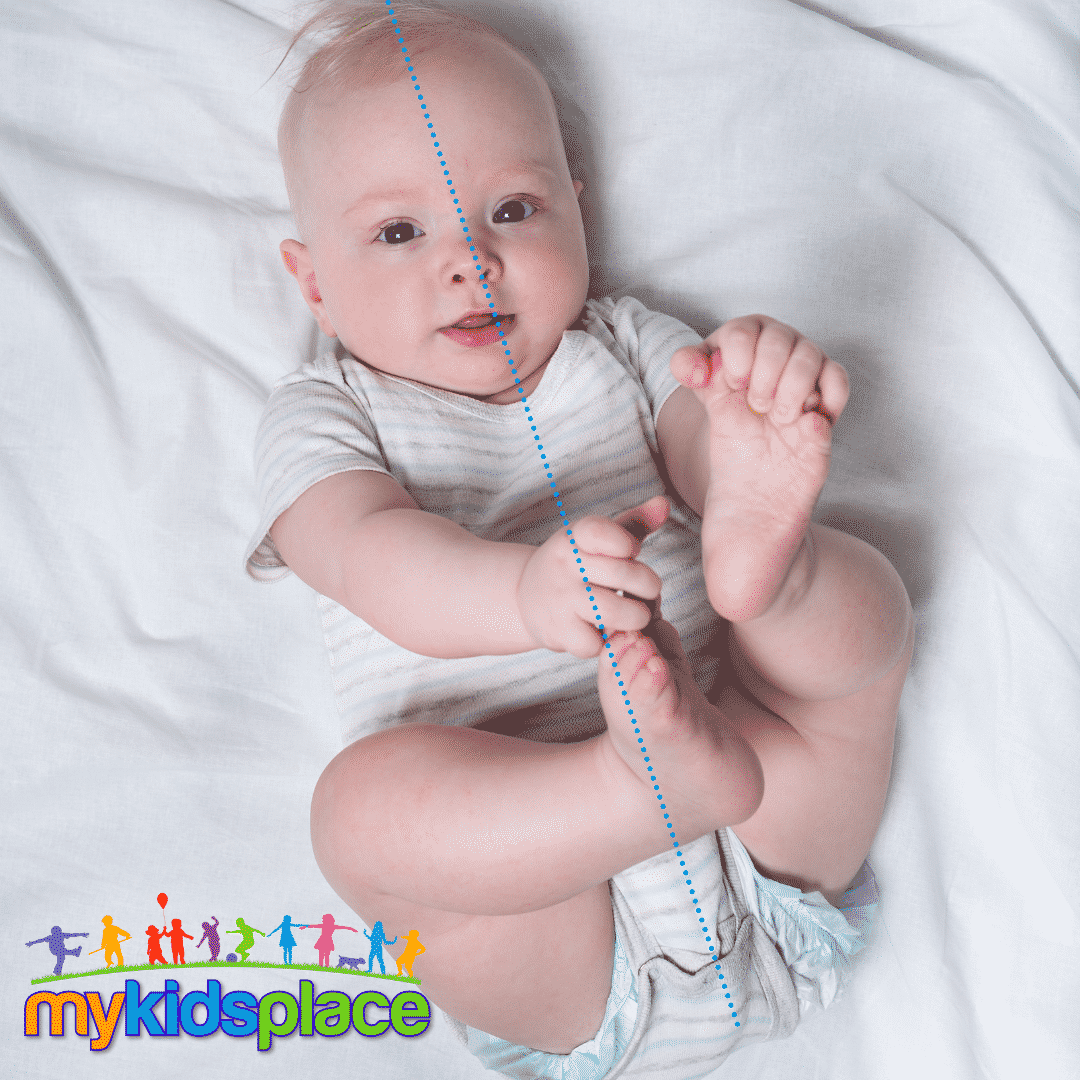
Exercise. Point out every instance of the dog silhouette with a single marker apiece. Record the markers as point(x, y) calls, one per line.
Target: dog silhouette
point(349, 961)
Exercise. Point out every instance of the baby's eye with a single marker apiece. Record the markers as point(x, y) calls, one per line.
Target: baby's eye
point(513, 210)
point(401, 232)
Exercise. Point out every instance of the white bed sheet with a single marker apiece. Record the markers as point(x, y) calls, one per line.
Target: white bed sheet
point(896, 178)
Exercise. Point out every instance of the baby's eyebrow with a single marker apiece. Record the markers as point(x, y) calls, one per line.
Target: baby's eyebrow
point(523, 168)
point(389, 195)
point(500, 176)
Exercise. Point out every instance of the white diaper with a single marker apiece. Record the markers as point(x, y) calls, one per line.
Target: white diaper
point(669, 1013)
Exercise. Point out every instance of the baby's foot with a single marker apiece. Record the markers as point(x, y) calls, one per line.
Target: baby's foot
point(769, 443)
point(707, 775)
point(766, 472)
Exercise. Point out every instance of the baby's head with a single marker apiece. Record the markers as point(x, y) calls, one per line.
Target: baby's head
point(383, 260)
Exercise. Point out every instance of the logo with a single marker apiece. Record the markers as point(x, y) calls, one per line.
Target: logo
point(208, 1009)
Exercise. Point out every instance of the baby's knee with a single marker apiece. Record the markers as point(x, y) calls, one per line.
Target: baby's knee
point(339, 809)
point(348, 782)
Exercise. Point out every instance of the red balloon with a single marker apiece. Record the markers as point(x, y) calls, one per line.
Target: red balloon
point(162, 900)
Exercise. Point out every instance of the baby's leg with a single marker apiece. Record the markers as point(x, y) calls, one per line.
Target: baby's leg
point(498, 851)
point(826, 751)
point(821, 636)
point(816, 694)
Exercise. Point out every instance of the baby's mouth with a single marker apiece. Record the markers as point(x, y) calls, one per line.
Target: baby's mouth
point(479, 330)
point(475, 322)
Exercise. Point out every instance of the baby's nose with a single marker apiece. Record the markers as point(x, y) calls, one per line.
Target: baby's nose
point(461, 277)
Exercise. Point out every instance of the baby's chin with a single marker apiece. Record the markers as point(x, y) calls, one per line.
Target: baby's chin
point(488, 389)
point(508, 396)
point(515, 391)
point(500, 389)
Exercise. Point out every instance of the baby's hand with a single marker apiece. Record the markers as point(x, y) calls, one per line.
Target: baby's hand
point(559, 609)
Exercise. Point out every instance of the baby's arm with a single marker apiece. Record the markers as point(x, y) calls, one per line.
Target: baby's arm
point(434, 588)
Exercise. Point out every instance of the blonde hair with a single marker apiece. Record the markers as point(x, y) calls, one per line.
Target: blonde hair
point(359, 45)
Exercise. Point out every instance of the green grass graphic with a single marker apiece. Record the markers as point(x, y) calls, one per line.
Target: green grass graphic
point(221, 965)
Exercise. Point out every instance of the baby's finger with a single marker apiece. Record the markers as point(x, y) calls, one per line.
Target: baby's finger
point(691, 365)
point(618, 612)
point(583, 639)
point(652, 605)
point(603, 536)
point(629, 575)
point(646, 518)
point(596, 535)
point(798, 381)
point(835, 388)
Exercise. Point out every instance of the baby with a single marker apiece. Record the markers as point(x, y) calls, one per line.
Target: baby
point(476, 554)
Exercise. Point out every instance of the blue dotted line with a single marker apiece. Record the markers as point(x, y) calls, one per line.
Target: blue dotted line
point(562, 512)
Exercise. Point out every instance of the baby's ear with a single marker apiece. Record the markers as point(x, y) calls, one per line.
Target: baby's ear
point(298, 263)
point(579, 186)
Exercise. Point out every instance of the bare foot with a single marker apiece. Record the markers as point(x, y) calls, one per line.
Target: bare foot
point(770, 397)
point(676, 743)
point(765, 478)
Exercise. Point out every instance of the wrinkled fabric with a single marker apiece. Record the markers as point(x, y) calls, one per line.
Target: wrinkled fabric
point(653, 918)
point(816, 940)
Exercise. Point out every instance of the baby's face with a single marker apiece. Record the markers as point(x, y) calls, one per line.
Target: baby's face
point(393, 270)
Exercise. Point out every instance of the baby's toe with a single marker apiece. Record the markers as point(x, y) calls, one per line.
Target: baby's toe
point(667, 641)
point(637, 665)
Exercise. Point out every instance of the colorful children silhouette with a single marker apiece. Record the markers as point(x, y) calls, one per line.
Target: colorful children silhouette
point(153, 945)
point(325, 945)
point(110, 942)
point(176, 935)
point(56, 940)
point(412, 951)
point(286, 941)
point(247, 938)
point(210, 936)
point(378, 939)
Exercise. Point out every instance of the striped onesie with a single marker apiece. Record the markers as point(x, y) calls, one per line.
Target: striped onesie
point(476, 464)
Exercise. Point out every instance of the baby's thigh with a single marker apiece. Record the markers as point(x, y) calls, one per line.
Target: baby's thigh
point(827, 766)
point(539, 979)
